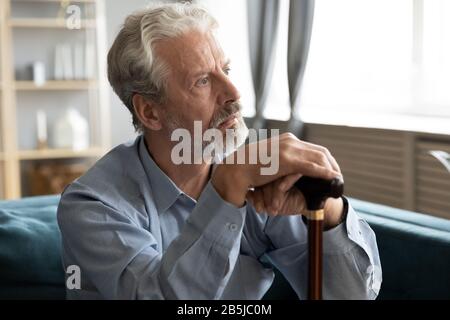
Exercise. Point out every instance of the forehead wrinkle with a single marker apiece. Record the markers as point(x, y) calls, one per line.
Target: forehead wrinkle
point(192, 53)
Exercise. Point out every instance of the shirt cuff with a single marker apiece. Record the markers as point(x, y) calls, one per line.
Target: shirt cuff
point(339, 239)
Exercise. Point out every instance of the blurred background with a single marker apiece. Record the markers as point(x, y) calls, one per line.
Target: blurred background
point(369, 79)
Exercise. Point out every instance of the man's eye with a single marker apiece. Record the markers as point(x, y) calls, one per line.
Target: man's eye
point(227, 71)
point(202, 82)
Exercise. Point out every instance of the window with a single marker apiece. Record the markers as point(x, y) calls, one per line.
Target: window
point(278, 104)
point(359, 56)
point(233, 36)
point(372, 58)
point(433, 57)
point(367, 59)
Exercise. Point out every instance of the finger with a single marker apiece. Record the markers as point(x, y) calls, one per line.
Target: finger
point(279, 191)
point(318, 157)
point(250, 197)
point(288, 181)
point(332, 160)
point(317, 153)
point(278, 197)
point(301, 154)
point(301, 162)
point(267, 196)
point(327, 153)
point(294, 203)
point(308, 162)
point(334, 163)
point(259, 200)
point(314, 170)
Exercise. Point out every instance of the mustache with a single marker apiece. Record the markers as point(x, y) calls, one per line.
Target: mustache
point(224, 113)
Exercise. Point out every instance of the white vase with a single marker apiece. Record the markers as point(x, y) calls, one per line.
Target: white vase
point(38, 73)
point(71, 131)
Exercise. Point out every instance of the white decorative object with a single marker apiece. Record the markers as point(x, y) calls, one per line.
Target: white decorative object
point(41, 119)
point(78, 65)
point(39, 73)
point(89, 66)
point(71, 131)
point(443, 157)
point(67, 62)
point(59, 73)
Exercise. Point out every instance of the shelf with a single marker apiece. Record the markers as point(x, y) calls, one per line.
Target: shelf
point(47, 23)
point(59, 154)
point(25, 20)
point(56, 85)
point(54, 1)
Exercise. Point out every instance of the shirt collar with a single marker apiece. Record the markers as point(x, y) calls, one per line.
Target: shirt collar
point(164, 190)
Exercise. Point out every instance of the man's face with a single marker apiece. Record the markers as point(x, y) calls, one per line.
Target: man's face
point(198, 87)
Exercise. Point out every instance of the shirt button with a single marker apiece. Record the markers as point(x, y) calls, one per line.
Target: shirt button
point(232, 227)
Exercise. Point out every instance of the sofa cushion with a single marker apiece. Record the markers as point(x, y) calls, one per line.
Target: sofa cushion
point(415, 259)
point(414, 251)
point(30, 248)
point(32, 292)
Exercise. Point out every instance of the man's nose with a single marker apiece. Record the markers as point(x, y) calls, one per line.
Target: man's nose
point(228, 92)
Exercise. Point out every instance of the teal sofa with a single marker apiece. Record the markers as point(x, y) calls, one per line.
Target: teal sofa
point(30, 244)
point(414, 250)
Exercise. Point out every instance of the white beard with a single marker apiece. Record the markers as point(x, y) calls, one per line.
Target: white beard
point(241, 133)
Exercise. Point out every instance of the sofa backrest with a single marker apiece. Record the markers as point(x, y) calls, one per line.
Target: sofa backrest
point(30, 249)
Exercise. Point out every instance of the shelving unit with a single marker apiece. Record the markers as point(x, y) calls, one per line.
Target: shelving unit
point(47, 23)
point(22, 22)
point(58, 1)
point(59, 154)
point(56, 85)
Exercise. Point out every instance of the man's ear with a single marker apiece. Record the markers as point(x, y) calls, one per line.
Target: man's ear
point(147, 112)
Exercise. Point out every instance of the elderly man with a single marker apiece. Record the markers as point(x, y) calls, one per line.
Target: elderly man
point(140, 226)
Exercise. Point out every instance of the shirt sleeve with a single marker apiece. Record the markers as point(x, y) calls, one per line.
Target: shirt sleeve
point(351, 263)
point(121, 260)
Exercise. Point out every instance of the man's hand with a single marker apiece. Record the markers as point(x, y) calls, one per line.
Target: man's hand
point(281, 198)
point(296, 158)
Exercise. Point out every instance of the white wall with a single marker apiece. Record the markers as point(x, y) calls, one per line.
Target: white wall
point(122, 129)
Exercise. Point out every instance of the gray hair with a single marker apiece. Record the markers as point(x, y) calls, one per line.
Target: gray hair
point(133, 66)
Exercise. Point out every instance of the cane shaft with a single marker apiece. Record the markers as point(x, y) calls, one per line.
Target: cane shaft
point(316, 192)
point(315, 245)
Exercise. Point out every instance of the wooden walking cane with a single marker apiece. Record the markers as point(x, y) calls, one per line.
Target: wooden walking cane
point(316, 192)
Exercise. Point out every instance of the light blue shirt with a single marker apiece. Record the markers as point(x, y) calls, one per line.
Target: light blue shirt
point(135, 235)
